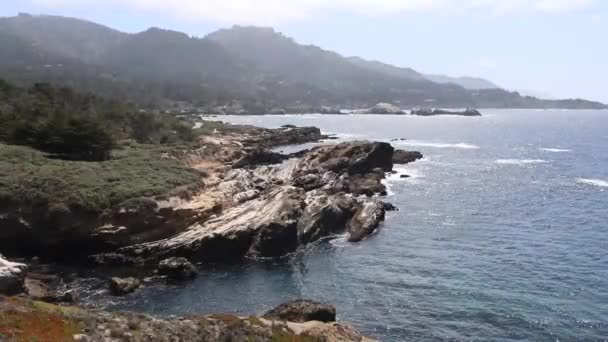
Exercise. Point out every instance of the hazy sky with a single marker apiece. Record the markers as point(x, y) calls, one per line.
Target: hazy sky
point(556, 48)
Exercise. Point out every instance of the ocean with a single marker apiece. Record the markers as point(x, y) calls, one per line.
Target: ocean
point(502, 235)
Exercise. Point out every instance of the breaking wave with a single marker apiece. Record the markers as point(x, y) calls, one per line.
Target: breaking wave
point(555, 150)
point(421, 143)
point(595, 182)
point(520, 161)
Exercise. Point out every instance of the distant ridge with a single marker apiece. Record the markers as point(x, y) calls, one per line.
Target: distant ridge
point(253, 69)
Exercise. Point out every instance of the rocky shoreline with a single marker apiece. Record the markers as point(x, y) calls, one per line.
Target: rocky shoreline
point(251, 202)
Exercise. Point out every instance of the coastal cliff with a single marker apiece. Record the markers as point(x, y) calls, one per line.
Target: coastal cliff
point(247, 201)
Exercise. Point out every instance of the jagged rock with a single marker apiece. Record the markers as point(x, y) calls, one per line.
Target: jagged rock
point(366, 221)
point(12, 275)
point(366, 184)
point(276, 239)
point(259, 157)
point(390, 207)
point(352, 158)
point(430, 112)
point(405, 176)
point(302, 311)
point(406, 157)
point(115, 259)
point(325, 215)
point(123, 286)
point(177, 269)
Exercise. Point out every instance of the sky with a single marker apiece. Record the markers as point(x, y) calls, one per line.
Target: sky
point(550, 48)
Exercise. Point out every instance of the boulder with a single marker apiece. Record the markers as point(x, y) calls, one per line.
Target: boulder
point(406, 157)
point(179, 269)
point(378, 155)
point(39, 290)
point(300, 311)
point(12, 277)
point(123, 286)
point(366, 220)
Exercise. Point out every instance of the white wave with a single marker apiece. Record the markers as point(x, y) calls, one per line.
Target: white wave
point(421, 143)
point(340, 241)
point(555, 150)
point(520, 161)
point(595, 182)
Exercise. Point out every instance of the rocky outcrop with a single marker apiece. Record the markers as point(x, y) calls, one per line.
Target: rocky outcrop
point(60, 323)
point(380, 108)
point(242, 207)
point(436, 111)
point(406, 157)
point(270, 211)
point(301, 311)
point(178, 269)
point(123, 286)
point(12, 276)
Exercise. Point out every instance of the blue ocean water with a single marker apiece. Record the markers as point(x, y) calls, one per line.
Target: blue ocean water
point(502, 236)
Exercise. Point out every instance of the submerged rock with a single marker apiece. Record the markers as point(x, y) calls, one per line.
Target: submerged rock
point(301, 311)
point(123, 286)
point(179, 269)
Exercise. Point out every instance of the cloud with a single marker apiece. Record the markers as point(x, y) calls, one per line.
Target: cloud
point(278, 11)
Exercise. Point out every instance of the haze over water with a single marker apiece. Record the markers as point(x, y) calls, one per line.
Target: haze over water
point(502, 235)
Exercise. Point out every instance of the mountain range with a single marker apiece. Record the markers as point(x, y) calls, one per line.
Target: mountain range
point(253, 68)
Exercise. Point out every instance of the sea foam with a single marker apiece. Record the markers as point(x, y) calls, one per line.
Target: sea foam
point(520, 161)
point(555, 150)
point(421, 143)
point(595, 182)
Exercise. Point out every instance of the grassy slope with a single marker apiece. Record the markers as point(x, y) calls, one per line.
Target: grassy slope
point(28, 176)
point(24, 320)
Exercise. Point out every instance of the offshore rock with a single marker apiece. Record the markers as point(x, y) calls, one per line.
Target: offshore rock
point(431, 112)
